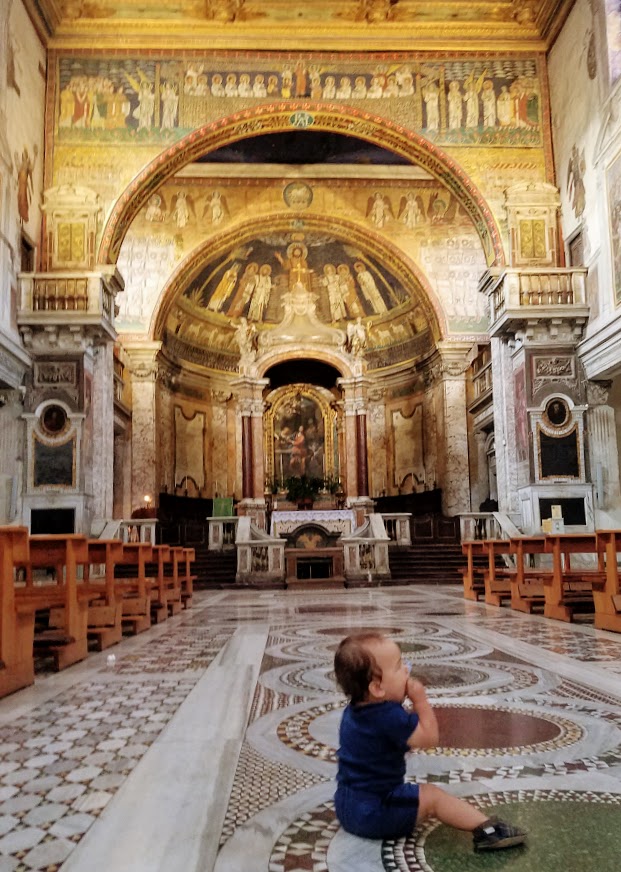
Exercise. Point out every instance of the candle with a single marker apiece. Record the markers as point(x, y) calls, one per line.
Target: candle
point(215, 488)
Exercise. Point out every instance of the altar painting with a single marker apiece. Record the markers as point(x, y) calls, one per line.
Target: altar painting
point(299, 436)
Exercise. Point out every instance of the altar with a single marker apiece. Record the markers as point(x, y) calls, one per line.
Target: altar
point(313, 554)
point(341, 521)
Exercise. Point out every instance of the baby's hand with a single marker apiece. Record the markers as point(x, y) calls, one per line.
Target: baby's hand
point(416, 692)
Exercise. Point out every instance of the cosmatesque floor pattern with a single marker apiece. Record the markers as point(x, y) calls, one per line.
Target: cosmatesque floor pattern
point(209, 745)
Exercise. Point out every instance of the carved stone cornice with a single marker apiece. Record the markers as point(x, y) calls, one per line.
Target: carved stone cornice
point(383, 25)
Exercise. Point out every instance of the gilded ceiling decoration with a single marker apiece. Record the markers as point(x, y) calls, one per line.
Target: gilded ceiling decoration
point(263, 24)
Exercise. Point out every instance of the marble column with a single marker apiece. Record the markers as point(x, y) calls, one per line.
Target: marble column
point(479, 487)
point(102, 429)
point(505, 424)
point(249, 391)
point(143, 367)
point(603, 449)
point(362, 453)
point(448, 372)
point(378, 454)
point(355, 408)
point(247, 455)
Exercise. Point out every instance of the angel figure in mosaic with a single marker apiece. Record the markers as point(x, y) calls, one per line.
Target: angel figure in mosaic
point(181, 209)
point(379, 209)
point(216, 208)
point(411, 210)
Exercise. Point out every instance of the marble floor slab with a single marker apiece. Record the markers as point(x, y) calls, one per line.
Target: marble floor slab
point(210, 744)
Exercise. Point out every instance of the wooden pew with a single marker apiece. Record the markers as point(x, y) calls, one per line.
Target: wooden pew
point(65, 637)
point(527, 584)
point(16, 627)
point(497, 581)
point(136, 587)
point(607, 590)
point(173, 580)
point(473, 574)
point(187, 579)
point(569, 590)
point(105, 613)
point(159, 592)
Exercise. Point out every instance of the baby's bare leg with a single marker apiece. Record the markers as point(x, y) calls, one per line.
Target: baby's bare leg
point(435, 802)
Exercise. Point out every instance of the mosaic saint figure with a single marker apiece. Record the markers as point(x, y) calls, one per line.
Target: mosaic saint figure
point(504, 107)
point(170, 102)
point(225, 287)
point(348, 291)
point(488, 99)
point(369, 289)
point(25, 169)
point(431, 96)
point(146, 106)
point(262, 293)
point(472, 88)
point(245, 289)
point(344, 89)
point(455, 105)
point(360, 88)
point(330, 281)
point(329, 88)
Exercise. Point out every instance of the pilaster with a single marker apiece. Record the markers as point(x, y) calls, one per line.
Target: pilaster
point(143, 366)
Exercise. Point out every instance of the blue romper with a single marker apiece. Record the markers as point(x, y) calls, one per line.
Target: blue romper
point(372, 799)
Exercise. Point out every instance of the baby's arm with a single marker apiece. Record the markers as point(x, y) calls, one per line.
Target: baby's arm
point(426, 734)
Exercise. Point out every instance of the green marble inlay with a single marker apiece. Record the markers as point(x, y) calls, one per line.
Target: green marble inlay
point(580, 836)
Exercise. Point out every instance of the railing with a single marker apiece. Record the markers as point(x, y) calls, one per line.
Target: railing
point(397, 526)
point(260, 557)
point(366, 551)
point(222, 533)
point(482, 381)
point(138, 530)
point(487, 525)
point(553, 288)
point(67, 292)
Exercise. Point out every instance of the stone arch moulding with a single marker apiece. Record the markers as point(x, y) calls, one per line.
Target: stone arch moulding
point(402, 267)
point(280, 117)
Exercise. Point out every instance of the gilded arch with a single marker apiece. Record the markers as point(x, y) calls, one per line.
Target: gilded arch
point(280, 117)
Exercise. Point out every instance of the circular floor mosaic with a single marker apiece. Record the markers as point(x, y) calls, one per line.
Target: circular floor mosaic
point(568, 830)
point(465, 731)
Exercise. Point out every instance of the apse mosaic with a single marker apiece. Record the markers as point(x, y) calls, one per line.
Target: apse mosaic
point(488, 101)
point(252, 279)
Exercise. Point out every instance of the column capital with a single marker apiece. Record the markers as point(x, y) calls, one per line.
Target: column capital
point(142, 356)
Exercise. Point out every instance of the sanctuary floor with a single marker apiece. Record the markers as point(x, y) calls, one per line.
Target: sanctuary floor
point(209, 745)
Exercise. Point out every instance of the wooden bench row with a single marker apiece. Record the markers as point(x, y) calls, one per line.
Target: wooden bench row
point(59, 592)
point(555, 586)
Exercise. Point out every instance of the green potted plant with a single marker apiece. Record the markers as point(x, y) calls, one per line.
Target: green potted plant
point(303, 490)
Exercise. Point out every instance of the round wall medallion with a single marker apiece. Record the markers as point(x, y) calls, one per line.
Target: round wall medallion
point(54, 420)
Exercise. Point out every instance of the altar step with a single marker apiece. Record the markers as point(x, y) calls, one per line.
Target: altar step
point(214, 570)
point(426, 563)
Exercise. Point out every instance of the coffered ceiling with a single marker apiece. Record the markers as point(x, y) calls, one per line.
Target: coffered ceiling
point(314, 25)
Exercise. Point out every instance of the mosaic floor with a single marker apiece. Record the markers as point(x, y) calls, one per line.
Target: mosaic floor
point(209, 744)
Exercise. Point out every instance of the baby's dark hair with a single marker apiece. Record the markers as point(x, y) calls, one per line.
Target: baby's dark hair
point(355, 666)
